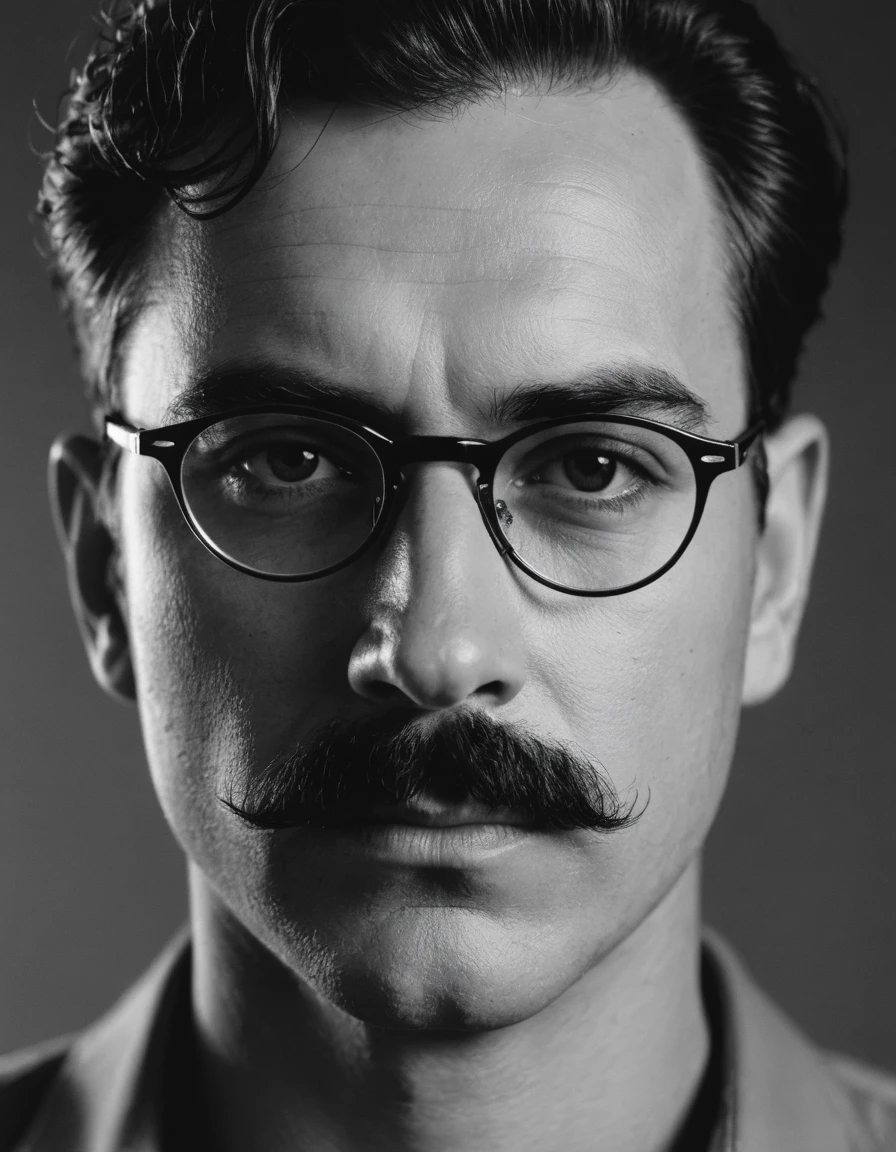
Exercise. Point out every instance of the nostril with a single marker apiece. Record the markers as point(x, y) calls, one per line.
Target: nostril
point(384, 693)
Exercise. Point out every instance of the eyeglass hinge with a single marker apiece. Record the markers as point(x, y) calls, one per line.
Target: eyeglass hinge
point(123, 437)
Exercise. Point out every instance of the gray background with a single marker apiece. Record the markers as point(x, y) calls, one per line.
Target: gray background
point(800, 864)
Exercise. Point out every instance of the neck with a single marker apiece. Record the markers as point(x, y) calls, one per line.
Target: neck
point(614, 1062)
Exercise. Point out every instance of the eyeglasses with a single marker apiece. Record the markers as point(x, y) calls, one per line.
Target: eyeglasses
point(592, 505)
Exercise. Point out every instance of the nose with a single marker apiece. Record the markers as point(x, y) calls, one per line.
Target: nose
point(442, 628)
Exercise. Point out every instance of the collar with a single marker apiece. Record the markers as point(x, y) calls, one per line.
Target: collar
point(779, 1090)
point(107, 1094)
point(778, 1093)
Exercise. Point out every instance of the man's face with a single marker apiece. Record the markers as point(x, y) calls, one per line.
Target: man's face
point(436, 264)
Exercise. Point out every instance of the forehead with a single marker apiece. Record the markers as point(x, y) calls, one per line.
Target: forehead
point(433, 260)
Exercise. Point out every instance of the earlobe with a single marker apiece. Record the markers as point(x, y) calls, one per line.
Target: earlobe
point(88, 547)
point(798, 470)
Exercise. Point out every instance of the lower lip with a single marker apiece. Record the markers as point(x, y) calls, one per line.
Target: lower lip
point(462, 844)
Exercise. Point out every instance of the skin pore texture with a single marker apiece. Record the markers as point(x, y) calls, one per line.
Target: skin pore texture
point(547, 997)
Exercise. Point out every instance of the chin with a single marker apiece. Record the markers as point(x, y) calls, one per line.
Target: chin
point(440, 969)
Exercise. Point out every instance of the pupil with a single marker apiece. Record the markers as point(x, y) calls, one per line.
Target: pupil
point(589, 471)
point(291, 464)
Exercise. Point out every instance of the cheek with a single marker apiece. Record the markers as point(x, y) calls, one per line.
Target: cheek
point(230, 670)
point(649, 683)
point(184, 688)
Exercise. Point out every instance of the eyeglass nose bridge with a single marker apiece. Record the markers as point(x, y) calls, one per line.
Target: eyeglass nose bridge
point(453, 450)
point(441, 449)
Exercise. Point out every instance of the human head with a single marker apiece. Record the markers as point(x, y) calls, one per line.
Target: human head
point(730, 233)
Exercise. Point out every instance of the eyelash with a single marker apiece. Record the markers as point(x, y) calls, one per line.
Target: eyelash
point(238, 452)
point(619, 505)
point(642, 475)
point(235, 474)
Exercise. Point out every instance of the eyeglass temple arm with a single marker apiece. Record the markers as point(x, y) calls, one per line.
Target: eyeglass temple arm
point(746, 440)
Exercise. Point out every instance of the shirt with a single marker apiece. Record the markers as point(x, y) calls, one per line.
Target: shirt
point(104, 1090)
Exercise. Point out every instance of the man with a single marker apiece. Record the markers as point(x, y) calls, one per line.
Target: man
point(444, 514)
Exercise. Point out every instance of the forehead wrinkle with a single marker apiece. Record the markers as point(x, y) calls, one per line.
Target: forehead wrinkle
point(513, 216)
point(542, 257)
point(301, 212)
point(534, 292)
point(518, 262)
point(549, 200)
point(517, 220)
point(353, 279)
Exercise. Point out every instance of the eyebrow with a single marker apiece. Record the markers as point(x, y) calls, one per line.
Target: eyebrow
point(237, 384)
point(634, 390)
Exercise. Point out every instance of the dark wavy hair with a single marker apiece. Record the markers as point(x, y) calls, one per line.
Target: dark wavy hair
point(165, 77)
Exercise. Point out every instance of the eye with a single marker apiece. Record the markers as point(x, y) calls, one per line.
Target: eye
point(585, 469)
point(589, 471)
point(286, 463)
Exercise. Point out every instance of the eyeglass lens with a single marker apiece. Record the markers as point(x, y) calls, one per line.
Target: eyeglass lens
point(283, 495)
point(592, 506)
point(596, 506)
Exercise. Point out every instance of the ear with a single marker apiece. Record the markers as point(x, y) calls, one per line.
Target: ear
point(798, 474)
point(77, 499)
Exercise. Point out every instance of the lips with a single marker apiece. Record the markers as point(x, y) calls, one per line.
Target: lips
point(430, 812)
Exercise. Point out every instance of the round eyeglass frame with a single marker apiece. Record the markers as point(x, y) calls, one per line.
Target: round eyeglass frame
point(709, 459)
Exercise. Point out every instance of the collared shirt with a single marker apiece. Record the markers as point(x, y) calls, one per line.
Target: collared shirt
point(103, 1090)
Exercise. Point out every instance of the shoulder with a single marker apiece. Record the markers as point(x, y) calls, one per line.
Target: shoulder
point(872, 1094)
point(25, 1077)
